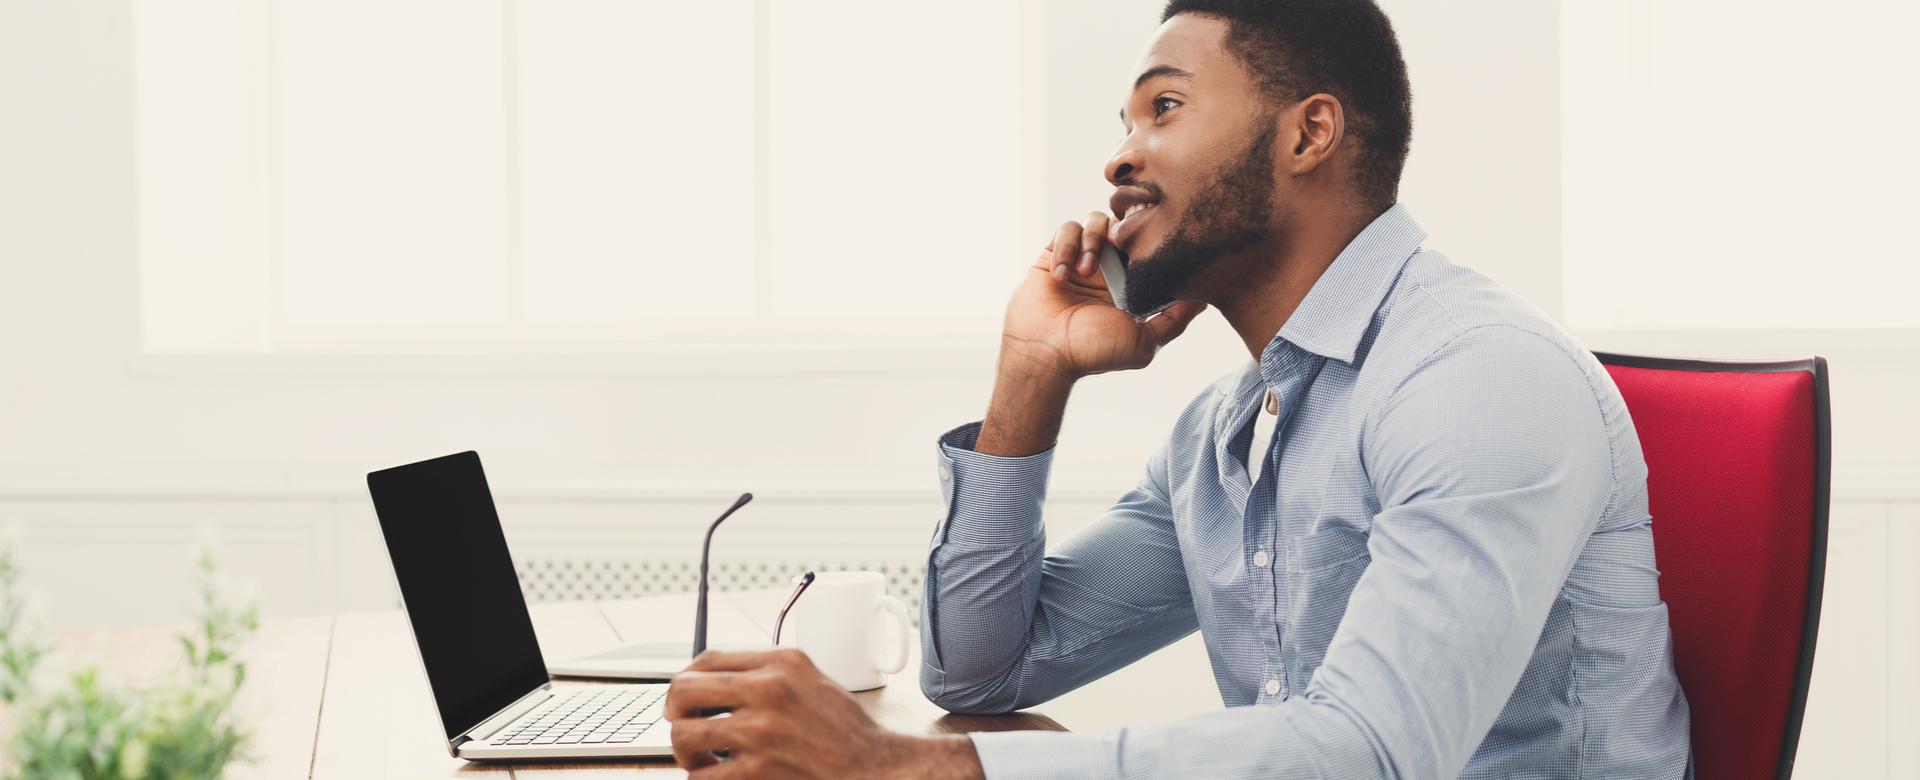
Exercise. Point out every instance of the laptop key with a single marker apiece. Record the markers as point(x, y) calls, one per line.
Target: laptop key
point(570, 739)
point(544, 739)
point(621, 738)
point(597, 736)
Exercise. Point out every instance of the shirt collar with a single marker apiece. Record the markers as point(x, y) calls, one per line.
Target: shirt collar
point(1337, 311)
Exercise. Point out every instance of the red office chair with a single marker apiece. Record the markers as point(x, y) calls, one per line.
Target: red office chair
point(1737, 471)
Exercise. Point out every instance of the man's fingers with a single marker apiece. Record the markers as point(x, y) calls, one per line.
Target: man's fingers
point(745, 738)
point(1092, 238)
point(736, 679)
point(707, 735)
point(1066, 248)
point(1044, 260)
point(1169, 324)
point(694, 742)
point(694, 694)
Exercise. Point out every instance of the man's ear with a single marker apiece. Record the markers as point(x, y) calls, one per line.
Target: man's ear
point(1318, 124)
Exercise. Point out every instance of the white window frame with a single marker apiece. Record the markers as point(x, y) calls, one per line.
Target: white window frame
point(759, 344)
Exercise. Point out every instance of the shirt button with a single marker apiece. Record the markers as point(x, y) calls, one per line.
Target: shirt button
point(1260, 559)
point(1273, 687)
point(945, 473)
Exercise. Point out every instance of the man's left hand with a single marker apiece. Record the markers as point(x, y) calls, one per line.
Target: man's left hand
point(786, 719)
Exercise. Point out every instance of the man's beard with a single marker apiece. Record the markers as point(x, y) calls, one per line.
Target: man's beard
point(1233, 214)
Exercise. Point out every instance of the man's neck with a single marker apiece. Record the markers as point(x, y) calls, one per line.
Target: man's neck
point(1280, 276)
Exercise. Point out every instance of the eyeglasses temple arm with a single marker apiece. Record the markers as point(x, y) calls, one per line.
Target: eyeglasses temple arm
point(706, 546)
point(805, 580)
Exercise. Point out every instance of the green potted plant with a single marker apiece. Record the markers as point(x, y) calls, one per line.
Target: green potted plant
point(183, 727)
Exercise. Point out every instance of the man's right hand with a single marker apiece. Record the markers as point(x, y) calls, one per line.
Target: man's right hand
point(1062, 319)
point(1062, 325)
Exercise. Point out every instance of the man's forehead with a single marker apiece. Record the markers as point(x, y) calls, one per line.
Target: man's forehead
point(1191, 43)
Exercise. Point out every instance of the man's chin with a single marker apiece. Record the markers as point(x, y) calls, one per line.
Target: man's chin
point(1140, 250)
point(1146, 293)
point(1166, 274)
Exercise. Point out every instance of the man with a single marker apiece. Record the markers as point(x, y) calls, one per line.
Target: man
point(1441, 565)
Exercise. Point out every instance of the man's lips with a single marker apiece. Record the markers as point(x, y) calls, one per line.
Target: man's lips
point(1122, 233)
point(1130, 204)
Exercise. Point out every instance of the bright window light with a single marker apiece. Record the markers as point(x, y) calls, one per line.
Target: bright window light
point(429, 175)
point(393, 200)
point(895, 158)
point(1739, 164)
point(637, 148)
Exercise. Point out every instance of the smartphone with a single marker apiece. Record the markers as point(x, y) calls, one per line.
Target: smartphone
point(1113, 267)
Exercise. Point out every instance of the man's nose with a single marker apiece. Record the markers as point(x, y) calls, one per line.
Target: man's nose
point(1123, 165)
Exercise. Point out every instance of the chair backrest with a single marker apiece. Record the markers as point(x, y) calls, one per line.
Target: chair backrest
point(1737, 474)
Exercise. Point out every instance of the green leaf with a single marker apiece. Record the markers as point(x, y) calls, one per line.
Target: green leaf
point(86, 730)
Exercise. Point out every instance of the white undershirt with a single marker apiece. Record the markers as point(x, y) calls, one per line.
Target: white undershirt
point(1263, 424)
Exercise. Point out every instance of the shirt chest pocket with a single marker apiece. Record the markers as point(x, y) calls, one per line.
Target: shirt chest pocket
point(1321, 569)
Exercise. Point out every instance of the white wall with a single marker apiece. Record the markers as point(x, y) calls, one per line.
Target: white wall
point(93, 417)
point(101, 415)
point(91, 414)
point(112, 461)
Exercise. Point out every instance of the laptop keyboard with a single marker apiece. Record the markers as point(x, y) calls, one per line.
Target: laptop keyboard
point(603, 715)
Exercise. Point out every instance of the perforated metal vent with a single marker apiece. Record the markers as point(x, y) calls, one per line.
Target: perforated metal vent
point(574, 579)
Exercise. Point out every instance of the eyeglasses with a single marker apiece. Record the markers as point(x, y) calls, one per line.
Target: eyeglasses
point(700, 606)
point(805, 580)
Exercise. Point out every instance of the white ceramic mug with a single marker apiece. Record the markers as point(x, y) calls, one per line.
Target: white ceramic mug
point(837, 622)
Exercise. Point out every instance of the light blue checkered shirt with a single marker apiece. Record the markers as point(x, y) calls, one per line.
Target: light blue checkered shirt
point(1446, 568)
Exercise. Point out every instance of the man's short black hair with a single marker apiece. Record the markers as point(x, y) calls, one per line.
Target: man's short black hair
point(1345, 48)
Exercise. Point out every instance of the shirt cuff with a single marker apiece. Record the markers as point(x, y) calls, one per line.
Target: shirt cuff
point(999, 497)
point(1008, 755)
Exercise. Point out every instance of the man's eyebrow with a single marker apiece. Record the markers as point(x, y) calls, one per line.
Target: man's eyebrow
point(1154, 72)
point(1161, 70)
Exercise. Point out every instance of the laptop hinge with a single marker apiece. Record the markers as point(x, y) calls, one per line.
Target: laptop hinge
point(499, 720)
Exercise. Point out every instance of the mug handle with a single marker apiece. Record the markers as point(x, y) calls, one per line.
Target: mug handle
point(898, 659)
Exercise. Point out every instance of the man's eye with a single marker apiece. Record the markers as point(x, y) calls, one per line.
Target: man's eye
point(1170, 103)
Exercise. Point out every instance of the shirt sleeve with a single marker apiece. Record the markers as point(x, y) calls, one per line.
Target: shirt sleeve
point(1005, 624)
point(1492, 463)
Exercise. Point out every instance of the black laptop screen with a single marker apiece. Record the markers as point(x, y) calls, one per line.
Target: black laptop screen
point(459, 587)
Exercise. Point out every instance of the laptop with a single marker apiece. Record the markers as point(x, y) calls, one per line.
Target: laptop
point(643, 661)
point(476, 639)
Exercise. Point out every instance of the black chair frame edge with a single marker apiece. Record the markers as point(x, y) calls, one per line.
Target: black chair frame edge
point(1822, 499)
